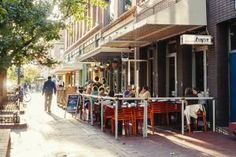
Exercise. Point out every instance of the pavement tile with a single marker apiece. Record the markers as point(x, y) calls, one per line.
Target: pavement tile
point(52, 135)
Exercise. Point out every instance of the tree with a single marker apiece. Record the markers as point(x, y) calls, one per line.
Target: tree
point(29, 73)
point(26, 30)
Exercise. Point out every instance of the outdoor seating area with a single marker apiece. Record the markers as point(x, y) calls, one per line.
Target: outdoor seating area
point(142, 116)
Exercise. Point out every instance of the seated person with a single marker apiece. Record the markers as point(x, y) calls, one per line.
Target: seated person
point(96, 82)
point(144, 93)
point(189, 93)
point(128, 92)
point(192, 108)
point(101, 91)
point(198, 93)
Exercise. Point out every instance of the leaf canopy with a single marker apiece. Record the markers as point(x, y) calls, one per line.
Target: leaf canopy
point(27, 32)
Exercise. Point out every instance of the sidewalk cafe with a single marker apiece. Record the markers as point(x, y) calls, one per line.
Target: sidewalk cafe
point(135, 115)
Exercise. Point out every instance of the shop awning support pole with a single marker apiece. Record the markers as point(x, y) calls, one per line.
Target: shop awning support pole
point(145, 117)
point(116, 120)
point(102, 114)
point(91, 111)
point(182, 116)
point(214, 114)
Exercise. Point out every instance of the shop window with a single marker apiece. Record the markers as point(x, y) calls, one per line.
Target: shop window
point(199, 70)
point(172, 47)
point(124, 6)
point(233, 37)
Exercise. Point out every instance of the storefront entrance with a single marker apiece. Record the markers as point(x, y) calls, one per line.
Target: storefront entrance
point(233, 86)
point(232, 70)
point(199, 69)
point(171, 75)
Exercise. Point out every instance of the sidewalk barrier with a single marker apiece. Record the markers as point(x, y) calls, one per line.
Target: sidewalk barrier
point(144, 102)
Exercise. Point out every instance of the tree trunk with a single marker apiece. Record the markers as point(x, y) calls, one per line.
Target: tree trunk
point(3, 88)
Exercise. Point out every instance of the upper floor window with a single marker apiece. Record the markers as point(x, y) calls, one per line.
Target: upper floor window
point(127, 4)
point(112, 9)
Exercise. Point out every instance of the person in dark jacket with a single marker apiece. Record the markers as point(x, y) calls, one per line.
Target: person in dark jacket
point(48, 88)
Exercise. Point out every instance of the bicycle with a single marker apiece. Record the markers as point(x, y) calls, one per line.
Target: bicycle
point(26, 96)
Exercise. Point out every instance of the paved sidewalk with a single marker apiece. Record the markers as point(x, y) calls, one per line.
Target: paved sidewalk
point(4, 142)
point(51, 135)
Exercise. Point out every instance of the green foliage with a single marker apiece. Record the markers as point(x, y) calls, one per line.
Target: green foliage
point(29, 74)
point(26, 31)
point(77, 8)
point(11, 74)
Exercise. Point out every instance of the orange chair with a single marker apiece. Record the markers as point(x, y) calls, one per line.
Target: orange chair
point(126, 116)
point(108, 112)
point(138, 113)
point(201, 115)
point(156, 107)
point(172, 108)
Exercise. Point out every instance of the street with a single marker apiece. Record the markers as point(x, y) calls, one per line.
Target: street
point(51, 135)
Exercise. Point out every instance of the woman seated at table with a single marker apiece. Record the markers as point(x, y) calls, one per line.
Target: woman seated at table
point(129, 93)
point(144, 93)
point(189, 93)
point(101, 91)
point(192, 107)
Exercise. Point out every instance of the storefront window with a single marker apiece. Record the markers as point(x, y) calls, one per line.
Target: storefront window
point(112, 10)
point(233, 37)
point(127, 4)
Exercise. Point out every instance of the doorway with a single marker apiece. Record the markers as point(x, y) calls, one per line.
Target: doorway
point(199, 69)
point(232, 86)
point(171, 75)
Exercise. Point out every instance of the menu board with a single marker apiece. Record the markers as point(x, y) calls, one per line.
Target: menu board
point(72, 102)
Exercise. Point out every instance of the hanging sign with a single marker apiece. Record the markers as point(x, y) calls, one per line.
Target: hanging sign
point(191, 39)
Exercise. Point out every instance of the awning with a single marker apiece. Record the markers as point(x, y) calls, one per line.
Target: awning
point(183, 16)
point(103, 54)
point(66, 68)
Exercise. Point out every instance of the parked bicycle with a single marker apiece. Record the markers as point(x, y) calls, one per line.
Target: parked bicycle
point(26, 96)
point(22, 96)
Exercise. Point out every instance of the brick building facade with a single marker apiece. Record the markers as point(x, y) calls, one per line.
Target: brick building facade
point(221, 16)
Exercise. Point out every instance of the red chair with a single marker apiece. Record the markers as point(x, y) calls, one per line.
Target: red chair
point(108, 112)
point(138, 114)
point(201, 115)
point(126, 116)
point(156, 107)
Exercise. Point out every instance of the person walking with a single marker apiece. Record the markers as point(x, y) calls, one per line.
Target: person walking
point(48, 88)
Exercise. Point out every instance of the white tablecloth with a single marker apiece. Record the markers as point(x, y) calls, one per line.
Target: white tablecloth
point(191, 111)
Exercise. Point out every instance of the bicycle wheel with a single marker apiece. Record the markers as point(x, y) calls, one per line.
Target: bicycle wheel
point(27, 97)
